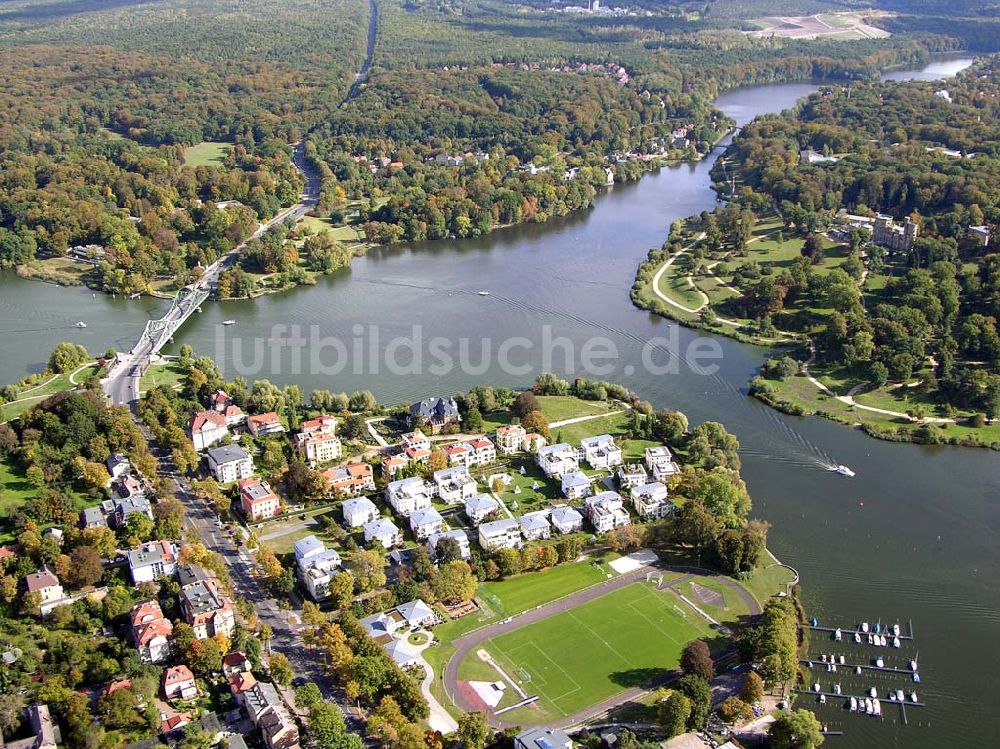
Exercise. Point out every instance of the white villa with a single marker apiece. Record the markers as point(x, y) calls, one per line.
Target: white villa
point(408, 495)
point(384, 531)
point(359, 511)
point(555, 460)
point(535, 526)
point(632, 475)
point(650, 501)
point(660, 462)
point(479, 507)
point(458, 536)
point(606, 511)
point(500, 534)
point(426, 522)
point(510, 439)
point(576, 485)
point(601, 451)
point(566, 520)
point(454, 485)
point(317, 566)
point(230, 463)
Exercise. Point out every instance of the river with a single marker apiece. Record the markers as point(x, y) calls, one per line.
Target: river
point(913, 536)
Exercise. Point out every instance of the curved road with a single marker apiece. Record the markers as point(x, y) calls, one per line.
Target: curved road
point(474, 640)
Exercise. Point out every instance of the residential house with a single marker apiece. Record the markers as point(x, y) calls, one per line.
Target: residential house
point(650, 501)
point(454, 484)
point(234, 663)
point(402, 653)
point(415, 440)
point(566, 520)
point(128, 487)
point(220, 401)
point(460, 537)
point(93, 517)
point(459, 454)
point(535, 526)
point(606, 511)
point(351, 480)
point(207, 428)
point(152, 561)
point(317, 566)
point(510, 439)
point(207, 611)
point(317, 441)
point(382, 626)
point(542, 738)
point(359, 511)
point(178, 683)
point(601, 451)
point(265, 708)
point(384, 531)
point(555, 460)
point(437, 413)
point(118, 465)
point(391, 464)
point(152, 632)
point(234, 415)
point(426, 522)
point(258, 501)
point(484, 451)
point(261, 425)
point(118, 510)
point(631, 475)
point(576, 485)
point(534, 442)
point(45, 733)
point(500, 534)
point(479, 507)
point(406, 496)
point(660, 462)
point(230, 463)
point(416, 613)
point(50, 591)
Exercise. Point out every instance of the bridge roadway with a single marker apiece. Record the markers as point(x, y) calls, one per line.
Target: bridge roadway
point(122, 381)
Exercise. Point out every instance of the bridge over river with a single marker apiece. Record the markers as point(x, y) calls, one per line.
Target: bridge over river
point(122, 381)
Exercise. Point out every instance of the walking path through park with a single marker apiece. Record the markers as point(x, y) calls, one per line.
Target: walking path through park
point(474, 640)
point(589, 417)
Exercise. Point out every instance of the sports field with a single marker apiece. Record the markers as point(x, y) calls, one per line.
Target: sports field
point(582, 656)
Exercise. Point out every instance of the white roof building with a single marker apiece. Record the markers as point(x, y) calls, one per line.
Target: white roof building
point(535, 526)
point(480, 507)
point(566, 519)
point(650, 501)
point(408, 495)
point(384, 531)
point(607, 511)
point(454, 484)
point(458, 536)
point(359, 511)
point(555, 460)
point(426, 522)
point(576, 485)
point(500, 534)
point(601, 451)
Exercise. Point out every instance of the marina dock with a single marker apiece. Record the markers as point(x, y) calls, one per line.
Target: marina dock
point(849, 632)
point(860, 698)
point(853, 666)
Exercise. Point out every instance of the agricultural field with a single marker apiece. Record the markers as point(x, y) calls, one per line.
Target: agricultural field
point(848, 26)
point(630, 635)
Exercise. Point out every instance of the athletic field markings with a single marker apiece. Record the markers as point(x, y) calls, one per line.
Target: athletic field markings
point(508, 655)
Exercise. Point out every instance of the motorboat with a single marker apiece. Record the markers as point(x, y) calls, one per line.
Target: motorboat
point(895, 630)
point(816, 687)
point(854, 704)
point(857, 670)
point(880, 662)
point(913, 665)
point(916, 678)
point(868, 706)
point(836, 688)
point(873, 692)
point(483, 293)
point(892, 696)
point(842, 660)
point(876, 708)
point(81, 324)
point(857, 637)
point(843, 471)
point(900, 696)
point(864, 626)
point(913, 696)
point(896, 643)
point(822, 699)
point(838, 635)
point(822, 657)
point(228, 322)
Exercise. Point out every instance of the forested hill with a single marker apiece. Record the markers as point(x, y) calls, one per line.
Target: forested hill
point(925, 151)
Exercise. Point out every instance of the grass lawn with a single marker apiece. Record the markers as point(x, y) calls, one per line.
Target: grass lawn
point(169, 374)
point(562, 407)
point(14, 488)
point(573, 433)
point(529, 499)
point(628, 636)
point(206, 153)
point(33, 396)
point(729, 607)
point(346, 233)
point(674, 284)
point(768, 580)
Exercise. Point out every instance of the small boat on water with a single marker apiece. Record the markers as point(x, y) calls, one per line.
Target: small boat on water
point(892, 696)
point(880, 662)
point(913, 665)
point(483, 293)
point(837, 635)
point(857, 670)
point(842, 660)
point(876, 708)
point(896, 643)
point(854, 704)
point(822, 699)
point(816, 687)
point(873, 692)
point(81, 324)
point(843, 471)
point(823, 657)
point(814, 621)
point(836, 688)
point(895, 630)
point(913, 696)
point(857, 637)
point(868, 706)
point(228, 322)
point(864, 626)
point(877, 627)
point(916, 678)
point(900, 696)
point(884, 641)
point(871, 640)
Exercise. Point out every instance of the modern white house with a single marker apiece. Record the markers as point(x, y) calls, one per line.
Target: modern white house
point(460, 537)
point(416, 613)
point(415, 440)
point(660, 462)
point(631, 475)
point(454, 485)
point(566, 520)
point(408, 495)
point(317, 442)
point(601, 451)
point(500, 534)
point(606, 511)
point(479, 507)
point(384, 531)
point(555, 460)
point(118, 465)
point(650, 501)
point(510, 439)
point(484, 451)
point(459, 454)
point(426, 522)
point(317, 566)
point(359, 511)
point(576, 485)
point(230, 463)
point(153, 561)
point(535, 526)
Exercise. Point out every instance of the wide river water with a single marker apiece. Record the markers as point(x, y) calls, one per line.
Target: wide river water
point(912, 537)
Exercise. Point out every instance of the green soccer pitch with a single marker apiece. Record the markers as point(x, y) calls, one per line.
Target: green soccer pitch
point(582, 656)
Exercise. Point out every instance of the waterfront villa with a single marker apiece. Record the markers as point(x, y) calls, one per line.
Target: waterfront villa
point(650, 501)
point(437, 413)
point(359, 511)
point(632, 475)
point(601, 451)
point(264, 424)
point(660, 462)
point(606, 511)
point(555, 460)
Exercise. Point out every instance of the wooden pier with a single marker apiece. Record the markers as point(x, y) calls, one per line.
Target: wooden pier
point(854, 666)
point(861, 699)
point(848, 634)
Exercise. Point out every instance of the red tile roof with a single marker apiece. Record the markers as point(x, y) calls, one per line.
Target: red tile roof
point(205, 419)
